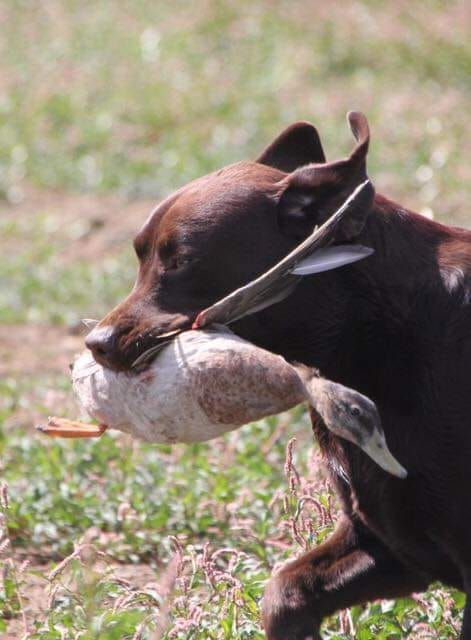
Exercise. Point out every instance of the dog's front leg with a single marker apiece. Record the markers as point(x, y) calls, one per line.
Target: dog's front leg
point(351, 567)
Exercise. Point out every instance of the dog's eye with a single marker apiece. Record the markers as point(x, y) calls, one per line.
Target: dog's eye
point(178, 262)
point(141, 247)
point(355, 411)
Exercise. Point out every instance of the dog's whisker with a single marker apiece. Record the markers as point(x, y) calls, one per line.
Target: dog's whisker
point(146, 355)
point(163, 336)
point(90, 323)
point(170, 334)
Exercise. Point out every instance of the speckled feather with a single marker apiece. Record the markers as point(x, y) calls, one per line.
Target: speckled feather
point(202, 384)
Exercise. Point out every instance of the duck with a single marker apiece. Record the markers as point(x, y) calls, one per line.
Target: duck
point(207, 382)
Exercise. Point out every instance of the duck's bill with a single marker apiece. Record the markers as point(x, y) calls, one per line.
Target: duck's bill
point(63, 428)
point(378, 451)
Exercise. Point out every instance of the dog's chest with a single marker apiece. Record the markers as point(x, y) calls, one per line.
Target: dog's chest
point(403, 514)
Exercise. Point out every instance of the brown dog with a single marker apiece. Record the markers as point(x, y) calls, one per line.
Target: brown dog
point(397, 327)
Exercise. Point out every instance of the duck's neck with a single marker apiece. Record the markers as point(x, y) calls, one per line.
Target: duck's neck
point(318, 390)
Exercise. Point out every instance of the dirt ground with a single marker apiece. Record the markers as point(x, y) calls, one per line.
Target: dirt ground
point(93, 225)
point(29, 350)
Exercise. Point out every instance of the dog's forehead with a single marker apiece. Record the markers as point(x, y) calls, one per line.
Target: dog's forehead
point(210, 196)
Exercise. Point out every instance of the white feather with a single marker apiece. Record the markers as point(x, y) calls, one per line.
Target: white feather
point(331, 258)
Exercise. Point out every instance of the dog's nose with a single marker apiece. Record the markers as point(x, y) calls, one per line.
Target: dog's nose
point(102, 343)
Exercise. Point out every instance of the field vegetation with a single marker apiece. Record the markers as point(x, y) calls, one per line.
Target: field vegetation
point(105, 108)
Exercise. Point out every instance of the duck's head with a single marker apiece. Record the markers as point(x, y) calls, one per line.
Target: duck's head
point(354, 417)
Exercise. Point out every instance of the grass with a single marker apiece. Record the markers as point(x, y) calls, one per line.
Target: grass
point(104, 108)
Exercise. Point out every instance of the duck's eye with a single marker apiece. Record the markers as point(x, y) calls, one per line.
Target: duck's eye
point(355, 412)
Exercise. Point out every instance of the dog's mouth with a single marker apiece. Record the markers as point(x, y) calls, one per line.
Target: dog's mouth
point(130, 349)
point(149, 354)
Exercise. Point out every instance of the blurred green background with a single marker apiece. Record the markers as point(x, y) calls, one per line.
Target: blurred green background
point(105, 107)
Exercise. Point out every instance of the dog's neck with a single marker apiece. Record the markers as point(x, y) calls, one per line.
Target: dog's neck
point(380, 303)
point(393, 302)
point(406, 247)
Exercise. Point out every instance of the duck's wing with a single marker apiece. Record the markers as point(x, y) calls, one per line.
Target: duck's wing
point(279, 281)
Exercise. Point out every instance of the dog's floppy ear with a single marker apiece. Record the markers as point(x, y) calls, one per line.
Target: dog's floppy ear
point(296, 146)
point(309, 194)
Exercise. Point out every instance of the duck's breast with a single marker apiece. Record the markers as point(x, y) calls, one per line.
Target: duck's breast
point(201, 385)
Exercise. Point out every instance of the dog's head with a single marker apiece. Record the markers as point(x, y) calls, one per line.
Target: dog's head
point(220, 231)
